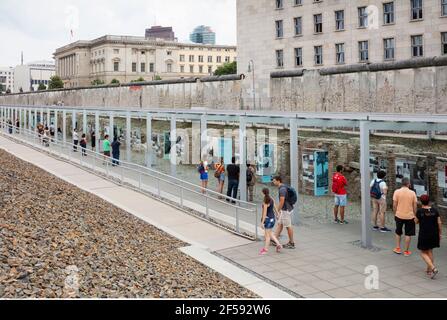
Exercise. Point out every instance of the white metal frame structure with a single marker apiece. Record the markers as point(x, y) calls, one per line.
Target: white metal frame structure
point(294, 121)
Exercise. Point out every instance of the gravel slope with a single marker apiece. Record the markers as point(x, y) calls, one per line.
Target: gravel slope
point(54, 236)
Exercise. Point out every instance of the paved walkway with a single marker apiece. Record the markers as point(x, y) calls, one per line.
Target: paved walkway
point(328, 262)
point(202, 237)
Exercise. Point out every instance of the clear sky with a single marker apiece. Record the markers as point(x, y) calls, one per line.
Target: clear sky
point(39, 27)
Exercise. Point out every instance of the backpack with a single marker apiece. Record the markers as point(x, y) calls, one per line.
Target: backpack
point(375, 191)
point(336, 184)
point(249, 176)
point(292, 196)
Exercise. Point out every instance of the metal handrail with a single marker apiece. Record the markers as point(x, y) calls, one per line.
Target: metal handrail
point(142, 171)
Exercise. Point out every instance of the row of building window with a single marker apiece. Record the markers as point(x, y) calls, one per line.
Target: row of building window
point(201, 59)
point(416, 6)
point(192, 69)
point(417, 50)
point(45, 82)
point(388, 18)
point(134, 51)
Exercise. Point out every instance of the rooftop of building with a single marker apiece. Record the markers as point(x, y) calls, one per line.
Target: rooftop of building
point(114, 39)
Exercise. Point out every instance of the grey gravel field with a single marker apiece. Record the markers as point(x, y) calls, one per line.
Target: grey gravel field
point(57, 241)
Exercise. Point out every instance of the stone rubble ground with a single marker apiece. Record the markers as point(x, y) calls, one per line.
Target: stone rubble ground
point(54, 235)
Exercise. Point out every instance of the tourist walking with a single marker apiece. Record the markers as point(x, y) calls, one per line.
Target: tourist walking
point(339, 184)
point(378, 193)
point(268, 221)
point(219, 174)
point(83, 144)
point(116, 144)
point(251, 181)
point(46, 137)
point(287, 199)
point(17, 126)
point(202, 168)
point(10, 127)
point(233, 173)
point(106, 147)
point(93, 137)
point(404, 207)
point(75, 140)
point(430, 229)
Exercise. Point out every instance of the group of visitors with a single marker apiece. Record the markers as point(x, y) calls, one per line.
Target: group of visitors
point(406, 215)
point(232, 172)
point(111, 149)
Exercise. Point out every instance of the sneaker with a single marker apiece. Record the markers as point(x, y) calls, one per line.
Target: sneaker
point(434, 272)
point(278, 248)
point(263, 252)
point(376, 228)
point(343, 222)
point(289, 246)
point(397, 251)
point(385, 230)
point(408, 253)
point(336, 221)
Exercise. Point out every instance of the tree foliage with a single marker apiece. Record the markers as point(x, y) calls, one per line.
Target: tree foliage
point(41, 87)
point(140, 79)
point(115, 81)
point(226, 68)
point(55, 83)
point(97, 82)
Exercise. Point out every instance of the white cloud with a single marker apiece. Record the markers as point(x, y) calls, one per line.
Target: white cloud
point(38, 27)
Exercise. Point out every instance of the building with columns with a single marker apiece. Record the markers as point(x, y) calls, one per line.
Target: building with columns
point(295, 35)
point(126, 58)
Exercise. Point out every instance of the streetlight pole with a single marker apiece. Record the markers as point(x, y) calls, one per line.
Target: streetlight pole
point(251, 68)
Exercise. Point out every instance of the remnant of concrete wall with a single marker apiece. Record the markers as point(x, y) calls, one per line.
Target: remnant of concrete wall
point(411, 86)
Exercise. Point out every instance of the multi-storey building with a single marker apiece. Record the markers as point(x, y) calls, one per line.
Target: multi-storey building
point(6, 79)
point(309, 34)
point(158, 32)
point(203, 34)
point(129, 58)
point(28, 77)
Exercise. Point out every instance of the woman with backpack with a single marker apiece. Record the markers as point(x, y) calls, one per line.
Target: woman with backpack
point(83, 145)
point(203, 171)
point(268, 221)
point(219, 174)
point(378, 193)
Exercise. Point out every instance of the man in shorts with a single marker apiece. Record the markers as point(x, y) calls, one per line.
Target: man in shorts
point(285, 209)
point(339, 184)
point(404, 207)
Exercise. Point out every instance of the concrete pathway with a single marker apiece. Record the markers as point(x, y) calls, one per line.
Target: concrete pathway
point(328, 262)
point(202, 237)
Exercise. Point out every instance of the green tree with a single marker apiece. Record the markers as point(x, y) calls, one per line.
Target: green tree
point(55, 83)
point(41, 87)
point(140, 79)
point(157, 78)
point(97, 82)
point(21, 90)
point(115, 81)
point(226, 68)
point(8, 91)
